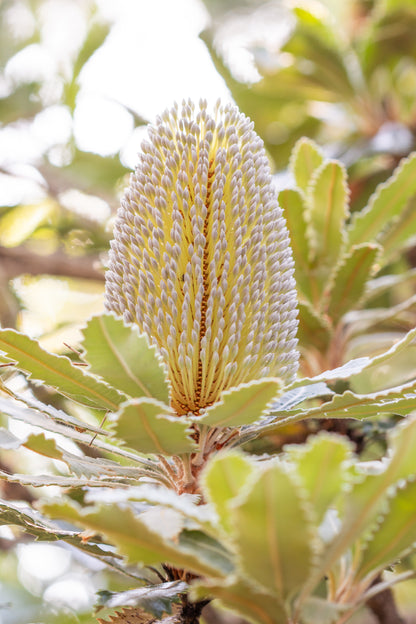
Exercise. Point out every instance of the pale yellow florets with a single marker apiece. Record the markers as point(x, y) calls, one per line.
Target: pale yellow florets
point(201, 260)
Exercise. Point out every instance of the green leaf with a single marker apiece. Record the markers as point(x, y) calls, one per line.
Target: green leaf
point(350, 279)
point(57, 371)
point(222, 480)
point(314, 38)
point(364, 321)
point(402, 442)
point(188, 505)
point(44, 446)
point(383, 284)
point(23, 102)
point(122, 356)
point(54, 421)
point(293, 397)
point(383, 367)
point(314, 328)
point(322, 466)
point(242, 405)
point(294, 209)
point(400, 235)
point(305, 159)
point(92, 171)
point(134, 538)
point(353, 367)
point(399, 400)
point(80, 465)
point(243, 598)
point(65, 482)
point(273, 532)
point(20, 222)
point(319, 611)
point(368, 497)
point(148, 426)
point(35, 524)
point(328, 210)
point(394, 535)
point(387, 202)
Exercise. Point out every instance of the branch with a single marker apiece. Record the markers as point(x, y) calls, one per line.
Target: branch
point(382, 605)
point(15, 261)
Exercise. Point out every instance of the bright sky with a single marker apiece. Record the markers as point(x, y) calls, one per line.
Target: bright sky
point(152, 57)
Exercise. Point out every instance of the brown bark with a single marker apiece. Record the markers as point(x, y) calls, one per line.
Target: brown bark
point(20, 260)
point(384, 608)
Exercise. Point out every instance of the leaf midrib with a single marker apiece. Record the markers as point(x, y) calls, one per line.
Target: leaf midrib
point(113, 406)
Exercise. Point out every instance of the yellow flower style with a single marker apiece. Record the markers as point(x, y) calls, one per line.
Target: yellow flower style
point(201, 259)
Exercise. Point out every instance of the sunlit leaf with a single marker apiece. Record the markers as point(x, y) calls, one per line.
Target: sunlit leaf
point(328, 210)
point(148, 426)
point(20, 222)
point(394, 535)
point(355, 367)
point(42, 480)
point(294, 211)
point(22, 103)
point(44, 446)
point(400, 347)
point(188, 505)
point(33, 523)
point(385, 283)
point(322, 466)
point(315, 39)
point(222, 480)
point(54, 421)
point(274, 548)
point(305, 159)
point(387, 202)
point(368, 496)
point(293, 397)
point(57, 371)
point(319, 611)
point(124, 358)
point(79, 465)
point(92, 170)
point(400, 400)
point(400, 235)
point(345, 371)
point(350, 279)
point(140, 544)
point(362, 321)
point(314, 329)
point(242, 405)
point(244, 598)
point(8, 440)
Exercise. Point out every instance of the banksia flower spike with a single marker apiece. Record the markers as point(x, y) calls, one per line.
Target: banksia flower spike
point(201, 259)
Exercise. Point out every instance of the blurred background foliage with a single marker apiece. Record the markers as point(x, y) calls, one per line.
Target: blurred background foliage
point(56, 196)
point(342, 73)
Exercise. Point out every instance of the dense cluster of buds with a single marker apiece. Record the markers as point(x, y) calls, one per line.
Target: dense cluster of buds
point(201, 259)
